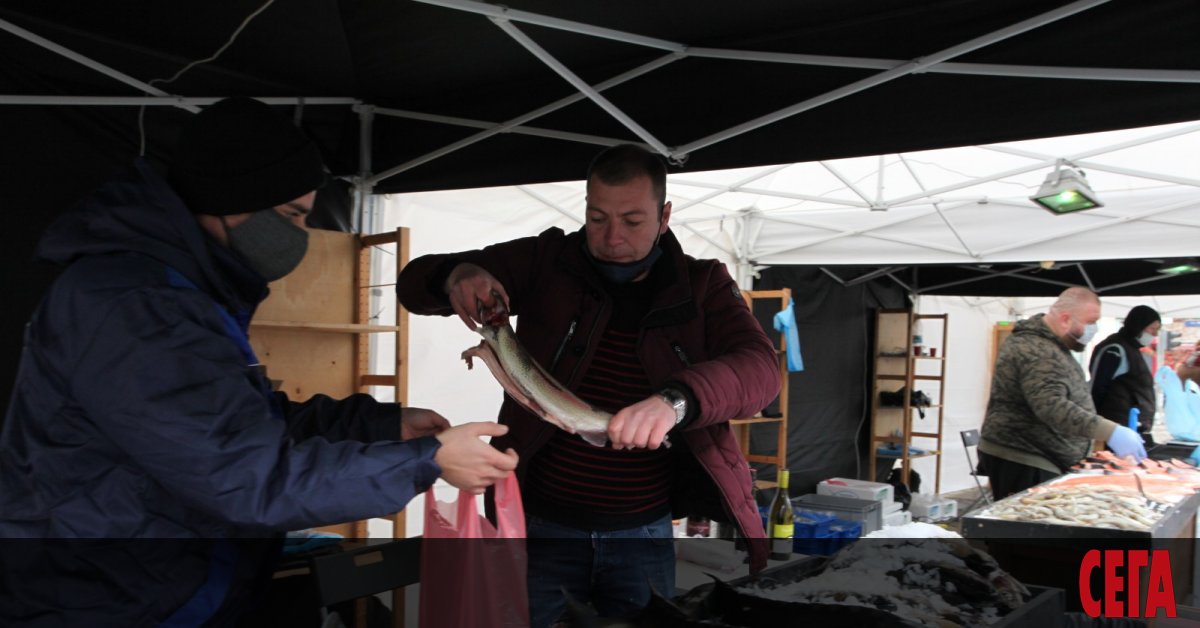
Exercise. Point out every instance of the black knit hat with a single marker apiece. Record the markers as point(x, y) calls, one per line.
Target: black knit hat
point(1138, 319)
point(238, 155)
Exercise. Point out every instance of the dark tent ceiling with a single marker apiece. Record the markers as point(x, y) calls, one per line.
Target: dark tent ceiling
point(444, 61)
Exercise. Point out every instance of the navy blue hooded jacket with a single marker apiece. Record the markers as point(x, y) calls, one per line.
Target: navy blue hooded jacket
point(138, 413)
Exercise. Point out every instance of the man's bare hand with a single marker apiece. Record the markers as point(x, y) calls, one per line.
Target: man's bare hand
point(471, 289)
point(418, 422)
point(470, 464)
point(642, 425)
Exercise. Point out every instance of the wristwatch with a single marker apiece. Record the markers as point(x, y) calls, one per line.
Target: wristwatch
point(677, 401)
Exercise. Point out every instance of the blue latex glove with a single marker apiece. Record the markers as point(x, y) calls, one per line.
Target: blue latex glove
point(1125, 441)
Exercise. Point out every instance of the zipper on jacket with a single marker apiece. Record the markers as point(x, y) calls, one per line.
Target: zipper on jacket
point(680, 352)
point(563, 344)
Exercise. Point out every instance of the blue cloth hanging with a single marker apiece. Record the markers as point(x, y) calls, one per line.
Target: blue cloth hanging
point(785, 323)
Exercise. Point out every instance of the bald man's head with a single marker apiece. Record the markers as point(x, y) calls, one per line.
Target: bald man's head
point(1073, 317)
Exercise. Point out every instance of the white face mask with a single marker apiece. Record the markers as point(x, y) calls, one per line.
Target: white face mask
point(1089, 332)
point(1145, 339)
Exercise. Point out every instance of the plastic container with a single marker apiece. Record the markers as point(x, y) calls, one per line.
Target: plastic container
point(867, 511)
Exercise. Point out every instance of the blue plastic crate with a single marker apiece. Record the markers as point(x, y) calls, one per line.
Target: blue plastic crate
point(812, 524)
point(844, 529)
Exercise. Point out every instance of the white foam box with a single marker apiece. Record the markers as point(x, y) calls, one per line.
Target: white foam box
point(856, 489)
point(898, 518)
point(933, 508)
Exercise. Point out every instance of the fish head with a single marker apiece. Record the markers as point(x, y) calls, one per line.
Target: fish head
point(494, 315)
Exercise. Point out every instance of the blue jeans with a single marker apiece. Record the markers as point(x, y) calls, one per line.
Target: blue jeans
point(613, 570)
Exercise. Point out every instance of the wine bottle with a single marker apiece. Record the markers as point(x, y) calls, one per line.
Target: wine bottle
point(780, 520)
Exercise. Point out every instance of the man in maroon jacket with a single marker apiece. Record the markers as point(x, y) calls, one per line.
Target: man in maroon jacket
point(622, 317)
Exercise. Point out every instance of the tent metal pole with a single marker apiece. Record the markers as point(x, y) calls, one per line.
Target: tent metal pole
point(1086, 278)
point(766, 192)
point(484, 124)
point(848, 183)
point(1015, 274)
point(937, 207)
point(498, 12)
point(866, 63)
point(582, 86)
point(1066, 233)
point(724, 189)
point(362, 183)
point(186, 102)
point(1135, 282)
point(841, 281)
point(521, 119)
point(548, 203)
point(702, 236)
point(1141, 174)
point(85, 61)
point(910, 67)
point(852, 232)
point(951, 67)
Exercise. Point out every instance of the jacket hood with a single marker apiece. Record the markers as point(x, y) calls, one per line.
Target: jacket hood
point(140, 213)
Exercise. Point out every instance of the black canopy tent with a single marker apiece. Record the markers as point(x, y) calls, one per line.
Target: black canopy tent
point(400, 88)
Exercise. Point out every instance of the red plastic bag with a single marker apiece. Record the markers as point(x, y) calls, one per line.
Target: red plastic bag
point(473, 573)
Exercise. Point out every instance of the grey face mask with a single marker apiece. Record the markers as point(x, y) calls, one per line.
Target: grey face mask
point(270, 244)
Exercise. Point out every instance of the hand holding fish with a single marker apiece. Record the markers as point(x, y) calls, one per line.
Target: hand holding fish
point(643, 425)
point(469, 463)
point(476, 296)
point(418, 422)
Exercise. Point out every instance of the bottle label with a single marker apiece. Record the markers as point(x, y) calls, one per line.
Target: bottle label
point(780, 531)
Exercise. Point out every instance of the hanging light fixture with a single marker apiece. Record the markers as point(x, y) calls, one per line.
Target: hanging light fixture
point(1179, 266)
point(1066, 190)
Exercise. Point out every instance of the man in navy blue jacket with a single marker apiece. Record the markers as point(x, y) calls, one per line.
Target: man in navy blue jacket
point(140, 411)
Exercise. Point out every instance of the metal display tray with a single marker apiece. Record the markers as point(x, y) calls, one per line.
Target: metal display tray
point(1174, 523)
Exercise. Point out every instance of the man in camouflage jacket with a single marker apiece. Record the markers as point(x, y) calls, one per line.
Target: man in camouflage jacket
point(1040, 417)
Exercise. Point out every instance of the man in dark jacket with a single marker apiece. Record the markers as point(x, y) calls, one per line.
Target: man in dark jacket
point(624, 319)
point(140, 412)
point(1040, 417)
point(1121, 377)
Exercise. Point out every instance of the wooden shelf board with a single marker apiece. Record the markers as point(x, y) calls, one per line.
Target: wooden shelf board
point(898, 378)
point(757, 419)
point(763, 458)
point(935, 378)
point(340, 328)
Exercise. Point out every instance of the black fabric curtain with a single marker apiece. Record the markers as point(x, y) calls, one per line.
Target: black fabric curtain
point(828, 402)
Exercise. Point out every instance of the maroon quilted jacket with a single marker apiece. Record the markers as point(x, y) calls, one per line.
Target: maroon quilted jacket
point(698, 333)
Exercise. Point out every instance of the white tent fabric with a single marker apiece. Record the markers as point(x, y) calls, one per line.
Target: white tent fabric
point(962, 205)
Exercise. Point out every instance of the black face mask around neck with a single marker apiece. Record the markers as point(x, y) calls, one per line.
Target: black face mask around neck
point(623, 272)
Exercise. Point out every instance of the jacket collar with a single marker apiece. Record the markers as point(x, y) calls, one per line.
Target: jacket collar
point(673, 301)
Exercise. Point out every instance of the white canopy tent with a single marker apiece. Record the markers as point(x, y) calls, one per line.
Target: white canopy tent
point(964, 205)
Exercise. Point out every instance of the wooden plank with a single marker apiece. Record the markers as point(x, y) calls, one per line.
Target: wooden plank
point(308, 362)
point(376, 380)
point(337, 328)
point(320, 290)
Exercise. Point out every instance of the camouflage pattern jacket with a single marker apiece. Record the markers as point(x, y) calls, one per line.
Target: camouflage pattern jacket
point(1040, 412)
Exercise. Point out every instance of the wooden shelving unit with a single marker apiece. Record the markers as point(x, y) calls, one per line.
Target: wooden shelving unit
point(742, 427)
point(314, 332)
point(897, 366)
